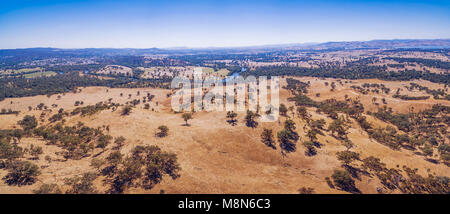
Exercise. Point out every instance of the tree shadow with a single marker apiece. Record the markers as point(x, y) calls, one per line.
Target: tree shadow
point(356, 172)
point(431, 160)
point(272, 146)
point(96, 155)
point(232, 122)
point(317, 144)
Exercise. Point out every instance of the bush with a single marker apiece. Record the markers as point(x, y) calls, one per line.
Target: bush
point(48, 189)
point(250, 119)
point(163, 131)
point(28, 122)
point(344, 181)
point(283, 109)
point(231, 115)
point(82, 184)
point(35, 151)
point(186, 116)
point(145, 167)
point(126, 110)
point(310, 149)
point(10, 151)
point(22, 173)
point(103, 141)
point(374, 164)
point(347, 157)
point(306, 190)
point(119, 141)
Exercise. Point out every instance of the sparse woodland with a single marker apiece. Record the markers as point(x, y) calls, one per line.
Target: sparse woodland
point(133, 142)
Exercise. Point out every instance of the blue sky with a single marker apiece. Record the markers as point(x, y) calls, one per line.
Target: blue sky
point(186, 23)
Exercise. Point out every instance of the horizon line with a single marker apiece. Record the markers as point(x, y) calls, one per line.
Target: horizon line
point(224, 47)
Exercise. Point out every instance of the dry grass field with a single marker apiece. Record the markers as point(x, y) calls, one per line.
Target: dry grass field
point(216, 157)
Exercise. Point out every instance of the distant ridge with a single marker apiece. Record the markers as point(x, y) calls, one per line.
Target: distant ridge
point(396, 43)
point(373, 44)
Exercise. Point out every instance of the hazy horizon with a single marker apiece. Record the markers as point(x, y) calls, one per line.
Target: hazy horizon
point(224, 47)
point(220, 24)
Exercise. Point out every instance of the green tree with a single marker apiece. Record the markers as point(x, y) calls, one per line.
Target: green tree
point(348, 144)
point(250, 119)
point(126, 110)
point(312, 135)
point(303, 113)
point(48, 189)
point(22, 173)
point(97, 163)
point(119, 141)
point(427, 150)
point(344, 181)
point(114, 158)
point(18, 134)
point(310, 149)
point(373, 163)
point(267, 138)
point(82, 184)
point(288, 137)
point(338, 126)
point(163, 131)
point(291, 109)
point(283, 109)
point(231, 116)
point(35, 151)
point(318, 124)
point(286, 143)
point(186, 117)
point(347, 157)
point(306, 190)
point(10, 151)
point(145, 167)
point(103, 141)
point(289, 126)
point(28, 122)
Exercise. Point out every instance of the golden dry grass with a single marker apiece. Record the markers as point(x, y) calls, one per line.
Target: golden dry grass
point(216, 157)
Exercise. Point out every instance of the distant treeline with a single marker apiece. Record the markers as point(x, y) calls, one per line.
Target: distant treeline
point(426, 62)
point(349, 72)
point(406, 97)
point(21, 87)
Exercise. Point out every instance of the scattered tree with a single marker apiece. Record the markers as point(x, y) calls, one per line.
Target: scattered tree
point(310, 149)
point(283, 109)
point(306, 190)
point(186, 116)
point(163, 131)
point(119, 141)
point(126, 110)
point(22, 173)
point(28, 122)
point(231, 116)
point(250, 119)
point(82, 184)
point(344, 181)
point(267, 138)
point(35, 151)
point(48, 189)
point(347, 157)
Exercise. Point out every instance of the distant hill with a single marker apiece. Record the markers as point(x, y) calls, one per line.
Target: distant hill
point(374, 44)
point(387, 44)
